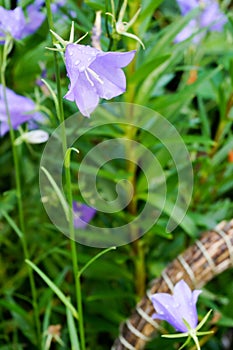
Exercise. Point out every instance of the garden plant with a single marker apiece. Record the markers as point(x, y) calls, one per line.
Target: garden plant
point(116, 154)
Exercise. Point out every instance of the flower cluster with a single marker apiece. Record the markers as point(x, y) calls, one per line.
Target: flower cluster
point(209, 18)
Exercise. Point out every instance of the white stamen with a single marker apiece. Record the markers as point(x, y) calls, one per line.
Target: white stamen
point(96, 76)
point(88, 78)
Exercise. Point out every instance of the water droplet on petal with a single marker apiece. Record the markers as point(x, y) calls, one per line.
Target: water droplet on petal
point(71, 53)
point(166, 306)
point(161, 312)
point(76, 63)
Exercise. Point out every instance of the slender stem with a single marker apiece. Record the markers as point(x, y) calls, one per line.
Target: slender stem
point(138, 247)
point(75, 260)
point(131, 133)
point(6, 49)
point(68, 188)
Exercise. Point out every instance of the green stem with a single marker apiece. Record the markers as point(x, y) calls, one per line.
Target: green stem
point(218, 137)
point(131, 131)
point(6, 49)
point(68, 188)
point(75, 260)
point(137, 245)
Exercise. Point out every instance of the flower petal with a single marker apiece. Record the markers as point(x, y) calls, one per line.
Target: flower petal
point(187, 31)
point(117, 59)
point(212, 17)
point(12, 22)
point(21, 109)
point(34, 18)
point(111, 82)
point(84, 94)
point(79, 57)
point(168, 310)
point(184, 297)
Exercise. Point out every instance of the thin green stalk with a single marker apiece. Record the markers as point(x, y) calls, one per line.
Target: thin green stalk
point(75, 258)
point(6, 49)
point(68, 188)
point(131, 131)
point(138, 247)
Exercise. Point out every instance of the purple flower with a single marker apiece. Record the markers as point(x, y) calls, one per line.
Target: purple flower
point(94, 74)
point(21, 108)
point(16, 24)
point(174, 308)
point(11, 22)
point(82, 214)
point(209, 17)
point(212, 17)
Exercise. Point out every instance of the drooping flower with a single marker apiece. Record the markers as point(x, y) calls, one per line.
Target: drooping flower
point(21, 109)
point(210, 18)
point(94, 74)
point(82, 214)
point(177, 307)
point(17, 25)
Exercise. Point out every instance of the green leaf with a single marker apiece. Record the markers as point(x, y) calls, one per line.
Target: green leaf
point(55, 289)
point(72, 330)
point(7, 202)
point(146, 68)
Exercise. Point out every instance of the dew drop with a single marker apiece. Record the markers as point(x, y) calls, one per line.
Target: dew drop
point(81, 68)
point(76, 63)
point(71, 53)
point(166, 306)
point(161, 312)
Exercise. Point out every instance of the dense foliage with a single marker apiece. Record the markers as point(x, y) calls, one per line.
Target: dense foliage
point(190, 83)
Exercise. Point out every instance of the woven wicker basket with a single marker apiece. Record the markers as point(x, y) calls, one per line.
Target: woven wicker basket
point(209, 256)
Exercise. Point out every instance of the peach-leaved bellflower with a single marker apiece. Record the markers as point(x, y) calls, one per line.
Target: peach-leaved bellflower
point(94, 74)
point(180, 311)
point(177, 307)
